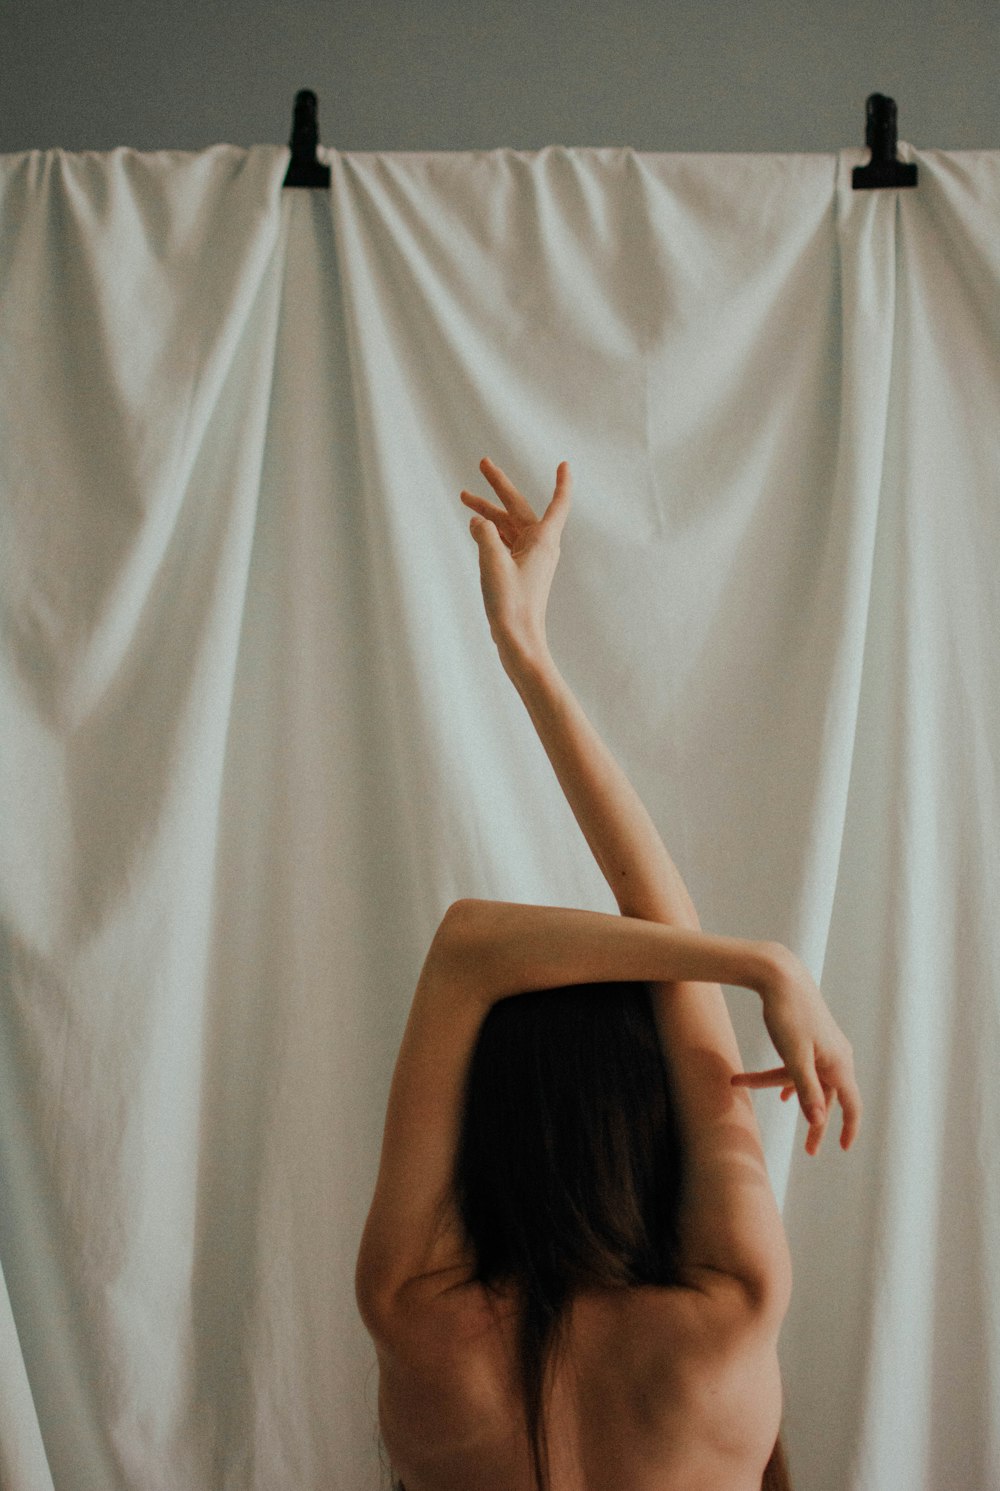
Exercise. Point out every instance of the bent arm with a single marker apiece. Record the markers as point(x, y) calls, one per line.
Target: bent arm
point(413, 1246)
point(518, 556)
point(498, 948)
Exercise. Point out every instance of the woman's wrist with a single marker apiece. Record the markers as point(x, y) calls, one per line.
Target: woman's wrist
point(739, 962)
point(775, 969)
point(526, 661)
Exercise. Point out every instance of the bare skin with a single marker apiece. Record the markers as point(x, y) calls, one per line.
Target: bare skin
point(611, 1422)
point(655, 1389)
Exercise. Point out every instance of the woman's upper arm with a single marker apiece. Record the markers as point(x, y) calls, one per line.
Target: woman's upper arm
point(730, 1222)
point(412, 1232)
point(412, 1238)
point(731, 1228)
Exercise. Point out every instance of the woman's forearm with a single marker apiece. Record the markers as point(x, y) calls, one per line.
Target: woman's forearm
point(497, 948)
point(491, 949)
point(622, 837)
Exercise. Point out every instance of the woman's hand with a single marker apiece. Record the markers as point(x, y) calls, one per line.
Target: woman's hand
point(518, 554)
point(818, 1060)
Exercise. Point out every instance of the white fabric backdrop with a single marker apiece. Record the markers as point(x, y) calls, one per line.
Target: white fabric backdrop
point(255, 739)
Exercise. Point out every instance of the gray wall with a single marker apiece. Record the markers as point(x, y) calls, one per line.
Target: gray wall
point(751, 75)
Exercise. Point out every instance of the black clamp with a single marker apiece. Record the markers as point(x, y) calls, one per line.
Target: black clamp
point(305, 169)
point(880, 136)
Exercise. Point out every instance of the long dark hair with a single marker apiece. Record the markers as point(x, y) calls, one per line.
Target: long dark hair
point(568, 1171)
point(570, 1166)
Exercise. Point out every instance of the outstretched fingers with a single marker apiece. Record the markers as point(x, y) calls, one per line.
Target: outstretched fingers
point(818, 1110)
point(835, 1070)
point(813, 1102)
point(496, 515)
point(845, 1089)
point(850, 1101)
point(814, 1096)
point(557, 512)
point(518, 507)
point(774, 1077)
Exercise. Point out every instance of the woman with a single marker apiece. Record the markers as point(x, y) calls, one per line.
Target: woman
point(574, 1269)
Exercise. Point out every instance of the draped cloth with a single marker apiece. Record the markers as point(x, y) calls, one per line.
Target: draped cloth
point(255, 738)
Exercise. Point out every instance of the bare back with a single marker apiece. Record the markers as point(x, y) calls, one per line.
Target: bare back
point(654, 1390)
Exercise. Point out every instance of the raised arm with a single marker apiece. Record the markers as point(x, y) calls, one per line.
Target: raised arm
point(515, 584)
point(621, 835)
point(518, 554)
